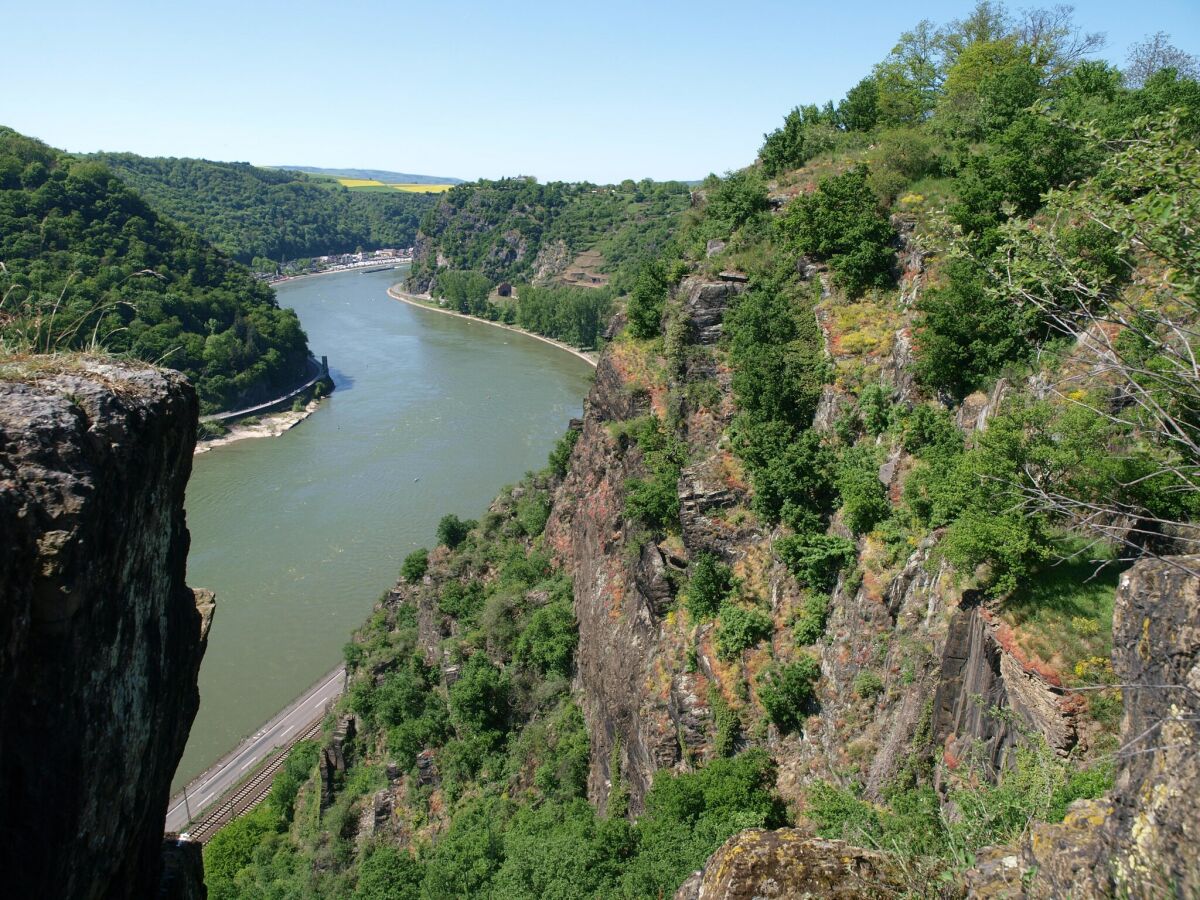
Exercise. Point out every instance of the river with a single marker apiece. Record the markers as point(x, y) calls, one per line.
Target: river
point(300, 534)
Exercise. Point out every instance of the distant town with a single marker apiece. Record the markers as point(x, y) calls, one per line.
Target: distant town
point(386, 258)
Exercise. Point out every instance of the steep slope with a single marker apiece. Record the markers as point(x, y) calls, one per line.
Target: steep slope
point(516, 229)
point(850, 527)
point(102, 639)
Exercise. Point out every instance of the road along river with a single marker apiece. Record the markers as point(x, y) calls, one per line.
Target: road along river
point(300, 534)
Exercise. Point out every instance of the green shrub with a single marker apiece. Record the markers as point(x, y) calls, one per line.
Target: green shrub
point(560, 456)
point(547, 642)
point(286, 785)
point(479, 699)
point(793, 473)
point(387, 873)
point(786, 691)
point(646, 301)
point(930, 430)
point(740, 627)
point(737, 200)
point(806, 132)
point(729, 725)
point(452, 530)
point(875, 408)
point(413, 568)
point(777, 352)
point(654, 501)
point(533, 511)
point(463, 601)
point(710, 583)
point(841, 222)
point(809, 624)
point(868, 684)
point(864, 497)
point(815, 559)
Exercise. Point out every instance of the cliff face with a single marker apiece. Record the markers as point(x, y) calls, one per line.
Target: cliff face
point(1141, 840)
point(100, 639)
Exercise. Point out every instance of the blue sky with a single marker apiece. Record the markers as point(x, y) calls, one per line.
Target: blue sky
point(559, 90)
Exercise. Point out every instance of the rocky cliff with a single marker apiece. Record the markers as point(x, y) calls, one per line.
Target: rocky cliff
point(101, 639)
point(1140, 841)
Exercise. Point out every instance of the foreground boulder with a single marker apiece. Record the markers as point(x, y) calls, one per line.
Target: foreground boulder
point(100, 638)
point(789, 863)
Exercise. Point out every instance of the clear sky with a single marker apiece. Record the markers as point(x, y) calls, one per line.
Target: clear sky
point(560, 90)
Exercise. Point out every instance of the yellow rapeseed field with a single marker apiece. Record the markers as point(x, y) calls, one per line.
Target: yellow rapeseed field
point(373, 185)
point(359, 182)
point(422, 188)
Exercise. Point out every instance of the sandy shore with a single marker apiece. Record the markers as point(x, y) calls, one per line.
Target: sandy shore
point(427, 303)
point(269, 425)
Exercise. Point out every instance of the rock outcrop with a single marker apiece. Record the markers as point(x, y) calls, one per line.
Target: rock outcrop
point(1140, 841)
point(100, 638)
point(757, 864)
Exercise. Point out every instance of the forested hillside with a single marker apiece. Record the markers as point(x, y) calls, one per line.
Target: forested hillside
point(517, 229)
point(271, 215)
point(85, 263)
point(564, 251)
point(844, 547)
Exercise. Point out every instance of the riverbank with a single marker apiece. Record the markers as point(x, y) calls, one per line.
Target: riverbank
point(269, 425)
point(340, 270)
point(428, 303)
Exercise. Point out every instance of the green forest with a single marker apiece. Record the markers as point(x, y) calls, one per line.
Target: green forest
point(252, 213)
point(491, 232)
point(87, 264)
point(496, 228)
point(987, 192)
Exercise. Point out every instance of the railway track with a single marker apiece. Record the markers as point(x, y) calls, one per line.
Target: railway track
point(248, 795)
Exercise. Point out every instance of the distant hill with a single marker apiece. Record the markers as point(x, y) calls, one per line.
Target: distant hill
point(373, 175)
point(251, 212)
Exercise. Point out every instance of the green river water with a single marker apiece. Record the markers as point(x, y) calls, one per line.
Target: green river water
point(300, 534)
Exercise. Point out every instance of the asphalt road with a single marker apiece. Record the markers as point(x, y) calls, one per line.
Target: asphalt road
point(204, 791)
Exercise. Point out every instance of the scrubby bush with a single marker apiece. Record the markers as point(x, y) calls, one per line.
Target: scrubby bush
point(786, 691)
point(841, 222)
point(462, 600)
point(413, 568)
point(806, 132)
point(793, 473)
point(560, 456)
point(864, 497)
point(654, 501)
point(452, 530)
point(646, 301)
point(809, 624)
point(737, 200)
point(533, 511)
point(868, 684)
point(547, 642)
point(388, 873)
point(815, 559)
point(479, 700)
point(739, 628)
point(710, 582)
point(875, 408)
